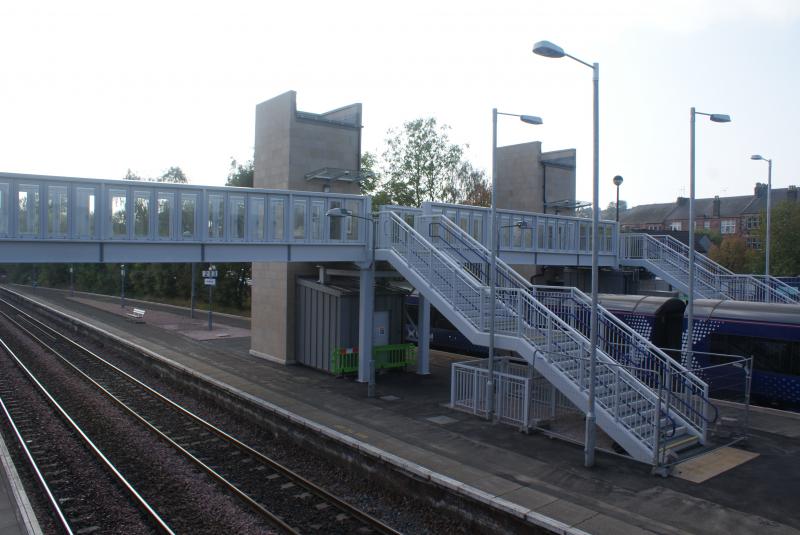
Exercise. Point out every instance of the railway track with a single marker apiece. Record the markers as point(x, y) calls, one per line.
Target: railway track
point(289, 502)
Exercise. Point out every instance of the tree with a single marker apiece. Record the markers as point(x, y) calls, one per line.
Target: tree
point(241, 175)
point(784, 245)
point(371, 183)
point(610, 213)
point(174, 175)
point(130, 175)
point(476, 188)
point(733, 254)
point(420, 164)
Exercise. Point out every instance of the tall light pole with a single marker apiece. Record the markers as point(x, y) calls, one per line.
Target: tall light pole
point(717, 118)
point(529, 119)
point(549, 50)
point(769, 209)
point(122, 285)
point(618, 183)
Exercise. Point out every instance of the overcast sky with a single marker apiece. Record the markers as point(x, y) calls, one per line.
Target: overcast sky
point(94, 88)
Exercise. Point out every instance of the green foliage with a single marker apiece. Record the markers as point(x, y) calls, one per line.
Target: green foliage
point(174, 175)
point(785, 242)
point(420, 164)
point(734, 254)
point(241, 175)
point(130, 175)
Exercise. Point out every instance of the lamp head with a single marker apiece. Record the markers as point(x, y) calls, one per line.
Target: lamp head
point(522, 224)
point(530, 119)
point(548, 50)
point(339, 212)
point(756, 157)
point(617, 180)
point(720, 118)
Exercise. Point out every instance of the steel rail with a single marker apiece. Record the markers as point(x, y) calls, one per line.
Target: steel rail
point(138, 499)
point(271, 463)
point(35, 467)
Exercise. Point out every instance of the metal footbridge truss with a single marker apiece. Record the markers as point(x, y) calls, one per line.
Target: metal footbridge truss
point(669, 259)
point(647, 402)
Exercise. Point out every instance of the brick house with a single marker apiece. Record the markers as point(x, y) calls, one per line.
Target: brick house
point(738, 215)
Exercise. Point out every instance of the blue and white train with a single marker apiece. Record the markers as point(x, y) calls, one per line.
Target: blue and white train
point(770, 333)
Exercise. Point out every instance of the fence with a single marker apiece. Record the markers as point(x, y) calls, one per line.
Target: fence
point(344, 360)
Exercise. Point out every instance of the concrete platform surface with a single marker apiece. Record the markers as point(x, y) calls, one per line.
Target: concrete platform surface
point(16, 513)
point(533, 475)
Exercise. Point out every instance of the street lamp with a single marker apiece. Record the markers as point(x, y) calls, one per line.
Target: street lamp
point(549, 50)
point(344, 212)
point(716, 118)
point(529, 119)
point(122, 285)
point(769, 209)
point(618, 183)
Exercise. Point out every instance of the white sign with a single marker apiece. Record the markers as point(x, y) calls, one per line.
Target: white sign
point(210, 273)
point(211, 282)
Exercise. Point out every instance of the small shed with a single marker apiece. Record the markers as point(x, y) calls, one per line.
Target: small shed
point(327, 318)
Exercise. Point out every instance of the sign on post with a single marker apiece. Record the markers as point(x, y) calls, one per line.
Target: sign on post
point(211, 282)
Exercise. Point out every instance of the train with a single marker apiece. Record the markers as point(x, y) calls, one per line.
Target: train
point(767, 332)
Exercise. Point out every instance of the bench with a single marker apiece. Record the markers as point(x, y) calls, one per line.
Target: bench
point(136, 315)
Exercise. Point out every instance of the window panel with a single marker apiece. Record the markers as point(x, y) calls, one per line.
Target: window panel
point(4, 211)
point(188, 216)
point(278, 222)
point(85, 212)
point(216, 216)
point(353, 223)
point(119, 213)
point(141, 214)
point(317, 208)
point(164, 206)
point(299, 219)
point(57, 215)
point(257, 219)
point(238, 214)
point(335, 223)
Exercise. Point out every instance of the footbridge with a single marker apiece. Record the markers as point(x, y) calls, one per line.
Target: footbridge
point(647, 402)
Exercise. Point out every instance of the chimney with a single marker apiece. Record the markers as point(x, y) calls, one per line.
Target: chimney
point(760, 190)
point(717, 203)
point(791, 193)
point(682, 201)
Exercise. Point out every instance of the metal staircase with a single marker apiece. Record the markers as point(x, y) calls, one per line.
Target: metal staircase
point(642, 399)
point(669, 259)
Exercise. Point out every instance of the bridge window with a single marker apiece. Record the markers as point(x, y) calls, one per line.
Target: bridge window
point(570, 235)
point(3, 209)
point(216, 217)
point(299, 220)
point(238, 215)
point(119, 214)
point(141, 214)
point(57, 217)
point(463, 221)
point(84, 213)
point(584, 237)
point(278, 222)
point(352, 222)
point(529, 234)
point(517, 236)
point(164, 209)
point(257, 219)
point(477, 227)
point(28, 215)
point(188, 216)
point(335, 223)
point(317, 208)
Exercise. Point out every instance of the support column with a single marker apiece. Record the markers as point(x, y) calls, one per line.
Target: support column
point(423, 336)
point(366, 313)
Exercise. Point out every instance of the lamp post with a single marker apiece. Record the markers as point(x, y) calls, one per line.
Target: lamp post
point(549, 50)
point(71, 280)
point(618, 183)
point(529, 119)
point(344, 212)
point(769, 210)
point(122, 285)
point(717, 118)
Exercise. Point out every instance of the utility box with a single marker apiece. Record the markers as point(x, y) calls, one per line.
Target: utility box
point(327, 318)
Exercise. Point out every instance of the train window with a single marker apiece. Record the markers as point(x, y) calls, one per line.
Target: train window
point(776, 356)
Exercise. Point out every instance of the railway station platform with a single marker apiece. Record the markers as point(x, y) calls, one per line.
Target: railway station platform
point(16, 514)
point(409, 423)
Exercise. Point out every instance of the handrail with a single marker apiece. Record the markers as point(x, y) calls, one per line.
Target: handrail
point(690, 381)
point(530, 316)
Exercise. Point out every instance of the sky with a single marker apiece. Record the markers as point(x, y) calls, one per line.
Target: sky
point(92, 89)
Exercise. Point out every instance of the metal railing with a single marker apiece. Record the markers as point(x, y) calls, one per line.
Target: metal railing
point(688, 396)
point(519, 314)
point(712, 280)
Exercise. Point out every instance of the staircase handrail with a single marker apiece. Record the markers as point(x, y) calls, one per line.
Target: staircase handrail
point(555, 326)
point(695, 383)
point(674, 368)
